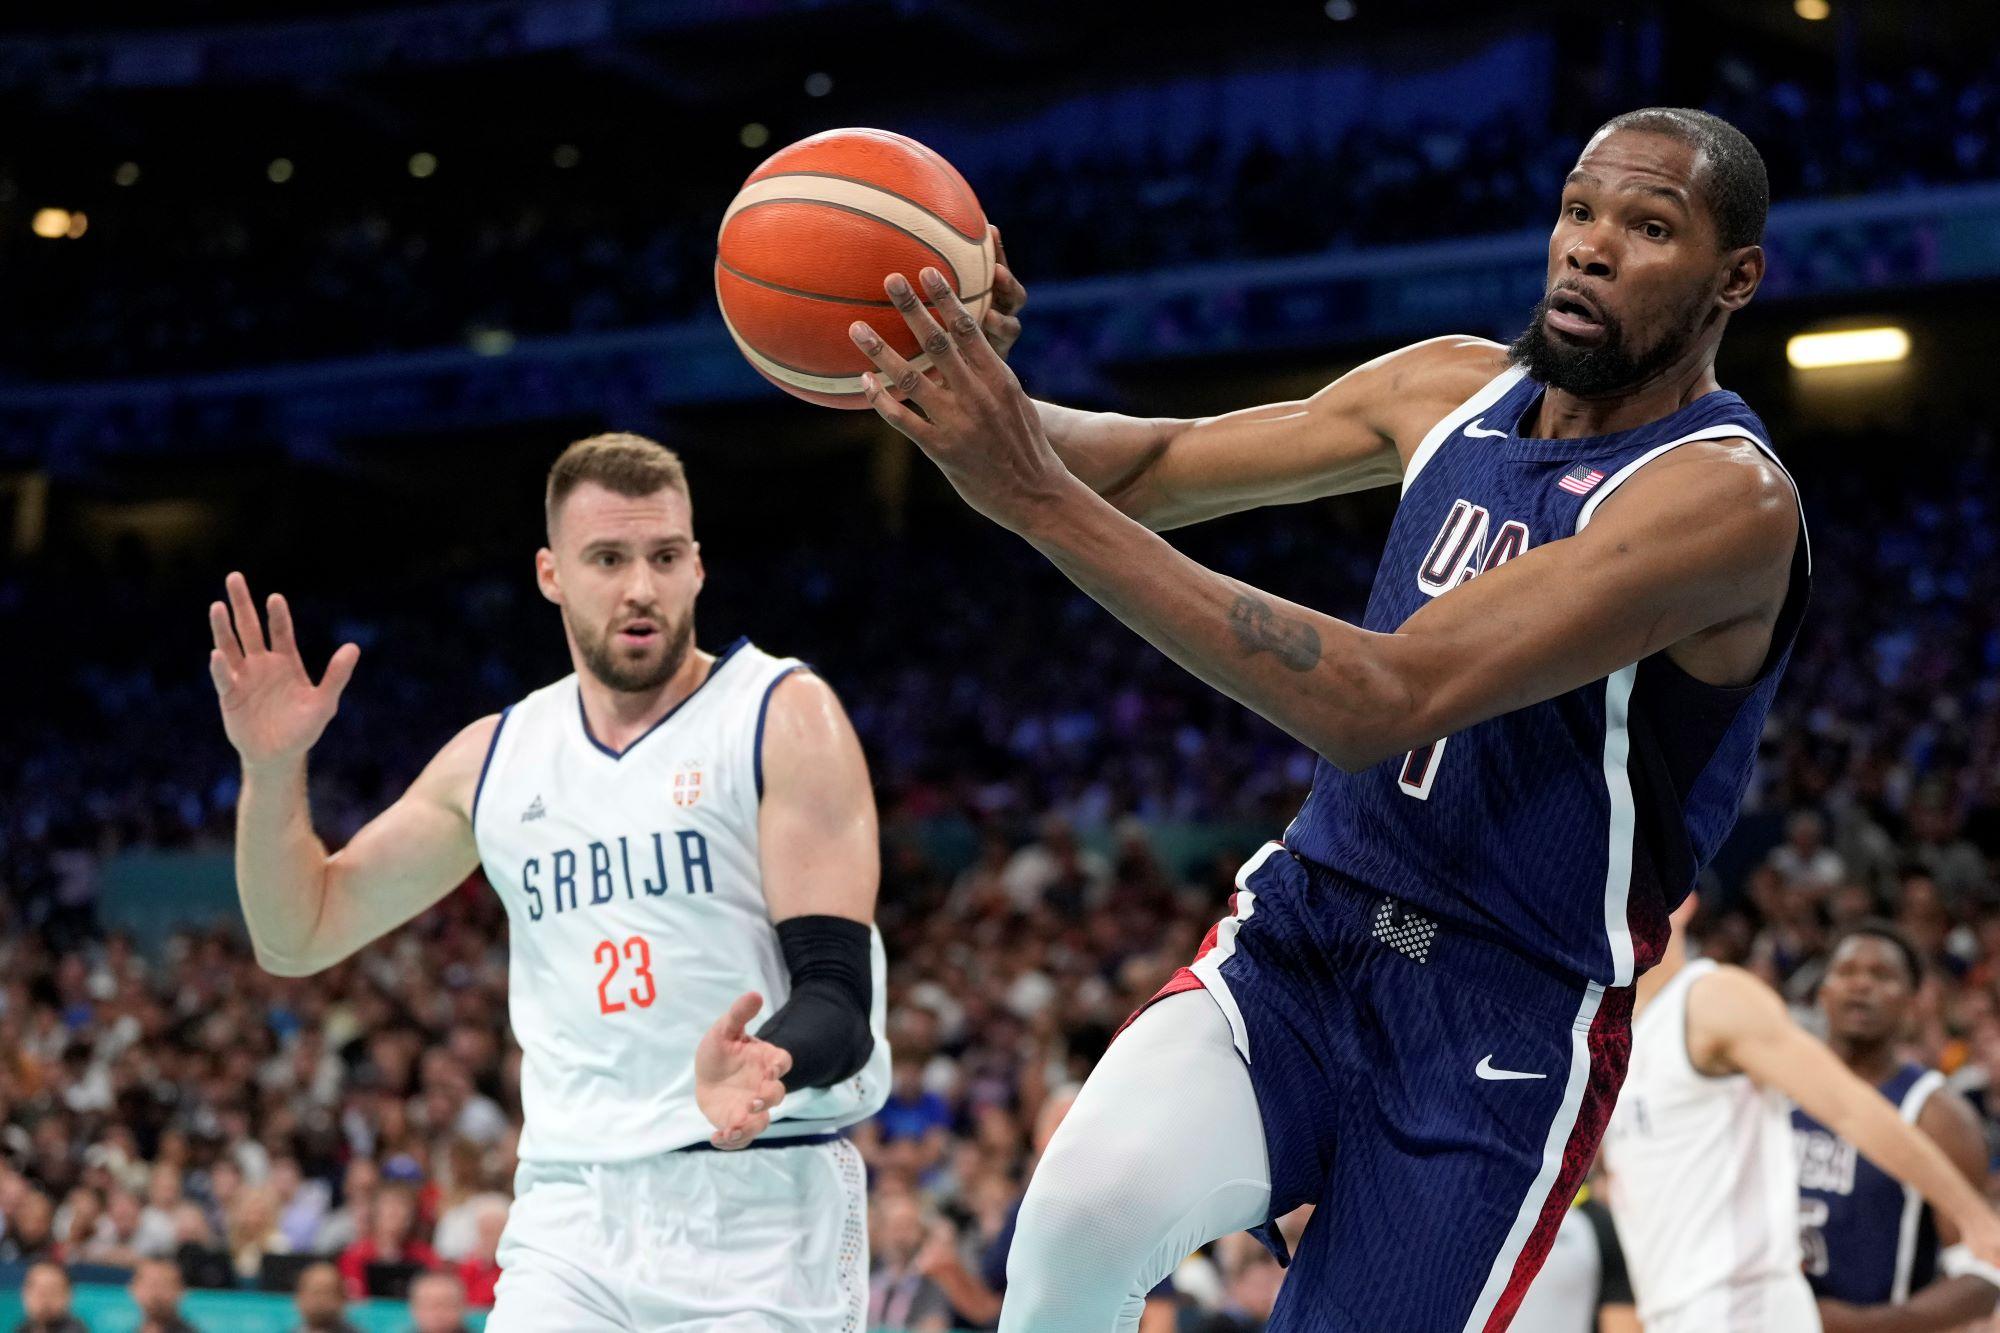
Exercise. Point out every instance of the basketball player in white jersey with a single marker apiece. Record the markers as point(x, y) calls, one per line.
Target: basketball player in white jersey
point(675, 836)
point(1703, 1175)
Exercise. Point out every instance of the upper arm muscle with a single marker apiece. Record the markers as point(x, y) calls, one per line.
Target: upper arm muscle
point(410, 855)
point(1355, 433)
point(817, 822)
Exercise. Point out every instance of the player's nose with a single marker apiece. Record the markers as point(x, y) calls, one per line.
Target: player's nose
point(1588, 256)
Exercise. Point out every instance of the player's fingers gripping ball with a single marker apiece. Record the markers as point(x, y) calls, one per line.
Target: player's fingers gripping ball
point(806, 244)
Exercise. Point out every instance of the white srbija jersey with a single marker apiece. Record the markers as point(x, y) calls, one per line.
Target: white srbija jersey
point(1704, 1182)
point(636, 915)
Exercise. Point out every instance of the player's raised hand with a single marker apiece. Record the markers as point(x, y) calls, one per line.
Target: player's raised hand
point(271, 710)
point(1001, 323)
point(738, 1078)
point(972, 418)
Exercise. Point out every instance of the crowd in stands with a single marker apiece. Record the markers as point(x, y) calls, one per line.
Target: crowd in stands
point(168, 1100)
point(163, 283)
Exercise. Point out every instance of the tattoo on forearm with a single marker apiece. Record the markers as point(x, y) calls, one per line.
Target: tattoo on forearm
point(1260, 629)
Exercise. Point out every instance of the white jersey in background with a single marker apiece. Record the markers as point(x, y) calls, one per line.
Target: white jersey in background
point(1704, 1186)
point(636, 915)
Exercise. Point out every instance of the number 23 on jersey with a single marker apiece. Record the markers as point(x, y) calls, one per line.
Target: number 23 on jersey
point(640, 991)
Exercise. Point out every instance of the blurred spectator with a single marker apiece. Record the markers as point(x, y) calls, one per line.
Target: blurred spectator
point(1251, 1277)
point(344, 1225)
point(156, 1289)
point(202, 1260)
point(391, 1239)
point(253, 1231)
point(899, 1295)
point(116, 1239)
point(45, 1301)
point(907, 1136)
point(479, 1271)
point(1803, 858)
point(321, 1301)
point(437, 1304)
point(30, 1234)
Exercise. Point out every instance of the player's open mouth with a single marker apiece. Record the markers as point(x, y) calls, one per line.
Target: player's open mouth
point(642, 632)
point(1575, 315)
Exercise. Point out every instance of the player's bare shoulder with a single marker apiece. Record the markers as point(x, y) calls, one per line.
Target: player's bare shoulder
point(1417, 386)
point(805, 726)
point(451, 779)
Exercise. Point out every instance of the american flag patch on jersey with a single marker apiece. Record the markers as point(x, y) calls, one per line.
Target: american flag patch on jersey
point(1580, 480)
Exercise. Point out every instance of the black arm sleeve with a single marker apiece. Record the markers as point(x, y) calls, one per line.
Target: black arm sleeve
point(824, 1025)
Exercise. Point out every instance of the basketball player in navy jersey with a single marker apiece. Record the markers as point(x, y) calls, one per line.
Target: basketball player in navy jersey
point(1417, 1013)
point(1871, 1243)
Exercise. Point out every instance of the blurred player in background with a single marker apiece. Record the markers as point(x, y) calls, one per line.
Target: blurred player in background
point(1870, 1240)
point(1417, 1012)
point(674, 834)
point(1704, 1180)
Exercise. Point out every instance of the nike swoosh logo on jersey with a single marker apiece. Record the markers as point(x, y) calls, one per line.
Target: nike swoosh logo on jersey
point(1486, 1070)
point(1478, 434)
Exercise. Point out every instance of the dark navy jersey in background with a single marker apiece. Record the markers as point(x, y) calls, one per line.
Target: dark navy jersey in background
point(1570, 828)
point(1868, 1238)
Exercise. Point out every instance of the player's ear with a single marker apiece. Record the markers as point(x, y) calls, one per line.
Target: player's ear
point(1740, 280)
point(545, 575)
point(700, 570)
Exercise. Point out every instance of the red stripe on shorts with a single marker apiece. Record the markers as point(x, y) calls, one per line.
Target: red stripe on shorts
point(1610, 1047)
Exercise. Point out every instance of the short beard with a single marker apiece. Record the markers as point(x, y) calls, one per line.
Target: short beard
point(1608, 367)
point(601, 662)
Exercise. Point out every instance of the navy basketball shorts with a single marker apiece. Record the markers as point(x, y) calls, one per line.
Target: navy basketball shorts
point(1438, 1096)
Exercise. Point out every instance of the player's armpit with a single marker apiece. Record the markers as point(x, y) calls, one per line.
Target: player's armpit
point(1697, 540)
point(1354, 434)
point(402, 861)
point(816, 825)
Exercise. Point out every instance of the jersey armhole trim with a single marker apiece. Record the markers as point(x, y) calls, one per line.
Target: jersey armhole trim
point(492, 746)
point(1727, 431)
point(763, 710)
point(1489, 393)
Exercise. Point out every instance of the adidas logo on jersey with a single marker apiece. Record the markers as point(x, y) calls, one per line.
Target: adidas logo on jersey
point(534, 810)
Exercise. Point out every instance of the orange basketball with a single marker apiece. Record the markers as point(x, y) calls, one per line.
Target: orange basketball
point(808, 240)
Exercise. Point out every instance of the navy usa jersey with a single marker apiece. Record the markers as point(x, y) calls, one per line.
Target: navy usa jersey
point(1570, 828)
point(1868, 1238)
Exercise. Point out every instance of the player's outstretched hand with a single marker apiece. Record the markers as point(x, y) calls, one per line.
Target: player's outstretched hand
point(737, 1078)
point(271, 710)
point(1002, 321)
point(972, 418)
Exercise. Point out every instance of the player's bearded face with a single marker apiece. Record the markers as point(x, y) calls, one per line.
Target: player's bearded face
point(631, 662)
point(1619, 359)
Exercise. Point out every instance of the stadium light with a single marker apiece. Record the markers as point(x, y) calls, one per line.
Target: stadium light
point(279, 171)
point(79, 223)
point(51, 224)
point(1340, 10)
point(1847, 347)
point(423, 165)
point(565, 156)
point(754, 135)
point(1812, 11)
point(127, 174)
point(819, 84)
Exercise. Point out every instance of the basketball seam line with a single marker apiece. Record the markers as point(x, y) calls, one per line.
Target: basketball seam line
point(815, 374)
point(882, 189)
point(734, 271)
point(944, 260)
